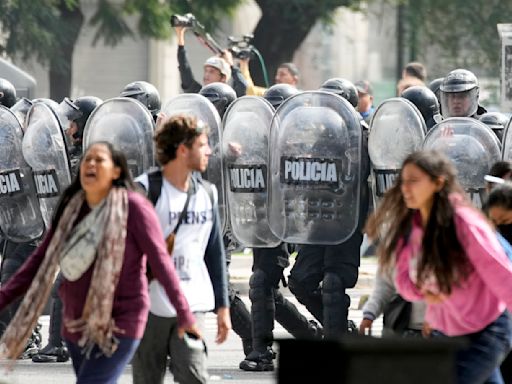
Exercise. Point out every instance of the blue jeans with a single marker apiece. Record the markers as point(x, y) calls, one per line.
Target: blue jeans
point(480, 361)
point(99, 369)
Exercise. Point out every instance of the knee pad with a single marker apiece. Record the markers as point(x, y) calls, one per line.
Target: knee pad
point(259, 285)
point(303, 289)
point(333, 289)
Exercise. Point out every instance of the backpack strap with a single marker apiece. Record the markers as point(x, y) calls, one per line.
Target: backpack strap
point(155, 180)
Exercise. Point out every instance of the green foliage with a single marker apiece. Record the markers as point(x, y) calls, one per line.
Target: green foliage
point(464, 32)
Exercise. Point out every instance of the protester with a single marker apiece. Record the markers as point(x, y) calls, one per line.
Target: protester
point(188, 214)
point(100, 237)
point(445, 253)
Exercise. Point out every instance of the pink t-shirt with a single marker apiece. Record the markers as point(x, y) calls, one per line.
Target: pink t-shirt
point(478, 300)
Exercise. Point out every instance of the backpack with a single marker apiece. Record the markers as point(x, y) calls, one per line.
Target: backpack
point(155, 180)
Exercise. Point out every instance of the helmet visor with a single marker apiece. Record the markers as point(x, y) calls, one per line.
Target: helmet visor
point(459, 104)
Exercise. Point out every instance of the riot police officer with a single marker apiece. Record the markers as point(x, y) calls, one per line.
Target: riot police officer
point(497, 121)
point(267, 301)
point(146, 93)
point(221, 95)
point(459, 95)
point(7, 93)
point(55, 350)
point(426, 102)
point(322, 273)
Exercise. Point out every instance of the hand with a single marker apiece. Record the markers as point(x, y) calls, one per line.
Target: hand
point(193, 329)
point(235, 149)
point(226, 55)
point(426, 330)
point(223, 325)
point(160, 118)
point(433, 298)
point(180, 34)
point(365, 328)
point(243, 64)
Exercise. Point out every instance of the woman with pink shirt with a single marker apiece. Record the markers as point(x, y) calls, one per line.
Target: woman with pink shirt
point(444, 252)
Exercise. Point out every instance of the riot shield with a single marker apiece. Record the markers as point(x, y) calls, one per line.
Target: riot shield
point(20, 216)
point(506, 142)
point(199, 106)
point(397, 129)
point(128, 125)
point(315, 169)
point(44, 149)
point(473, 148)
point(245, 133)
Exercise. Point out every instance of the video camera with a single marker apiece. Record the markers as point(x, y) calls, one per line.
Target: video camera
point(241, 47)
point(188, 20)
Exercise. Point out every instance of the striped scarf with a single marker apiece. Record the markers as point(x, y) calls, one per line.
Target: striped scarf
point(96, 323)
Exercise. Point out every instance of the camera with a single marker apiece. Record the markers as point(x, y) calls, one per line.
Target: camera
point(241, 47)
point(188, 20)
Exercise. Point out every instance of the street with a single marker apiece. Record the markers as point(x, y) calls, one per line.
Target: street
point(223, 359)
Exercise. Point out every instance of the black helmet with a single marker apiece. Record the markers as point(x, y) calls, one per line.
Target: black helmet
point(146, 93)
point(435, 84)
point(278, 93)
point(7, 93)
point(426, 102)
point(461, 85)
point(220, 95)
point(496, 121)
point(85, 105)
point(343, 88)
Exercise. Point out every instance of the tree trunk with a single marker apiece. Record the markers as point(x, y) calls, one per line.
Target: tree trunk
point(61, 63)
point(281, 29)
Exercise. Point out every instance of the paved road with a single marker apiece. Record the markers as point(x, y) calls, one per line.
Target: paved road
point(223, 359)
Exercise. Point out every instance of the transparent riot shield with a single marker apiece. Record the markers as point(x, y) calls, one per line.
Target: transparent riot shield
point(199, 106)
point(397, 129)
point(20, 215)
point(473, 148)
point(506, 147)
point(245, 134)
point(128, 125)
point(315, 169)
point(44, 149)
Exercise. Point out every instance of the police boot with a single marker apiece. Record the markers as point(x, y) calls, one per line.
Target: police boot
point(259, 361)
point(51, 354)
point(293, 321)
point(55, 351)
point(31, 348)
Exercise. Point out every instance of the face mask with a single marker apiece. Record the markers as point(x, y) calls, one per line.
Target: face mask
point(506, 231)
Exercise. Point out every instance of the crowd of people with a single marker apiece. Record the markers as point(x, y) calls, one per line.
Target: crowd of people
point(117, 297)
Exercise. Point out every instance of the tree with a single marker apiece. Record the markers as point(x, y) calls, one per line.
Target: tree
point(48, 30)
point(463, 33)
point(283, 26)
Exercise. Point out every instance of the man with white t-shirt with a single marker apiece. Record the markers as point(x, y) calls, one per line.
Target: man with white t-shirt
point(198, 253)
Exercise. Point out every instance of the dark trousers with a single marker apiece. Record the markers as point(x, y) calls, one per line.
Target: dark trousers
point(98, 368)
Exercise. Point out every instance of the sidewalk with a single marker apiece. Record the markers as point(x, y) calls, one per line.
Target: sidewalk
point(240, 272)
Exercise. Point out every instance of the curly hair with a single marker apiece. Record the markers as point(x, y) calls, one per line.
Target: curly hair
point(178, 129)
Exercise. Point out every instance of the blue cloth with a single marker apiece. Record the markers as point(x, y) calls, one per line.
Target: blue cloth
point(99, 368)
point(505, 244)
point(480, 361)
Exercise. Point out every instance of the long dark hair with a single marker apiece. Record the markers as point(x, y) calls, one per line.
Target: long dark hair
point(442, 253)
point(125, 179)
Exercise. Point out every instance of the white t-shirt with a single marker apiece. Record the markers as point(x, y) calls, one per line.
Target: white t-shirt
point(189, 247)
